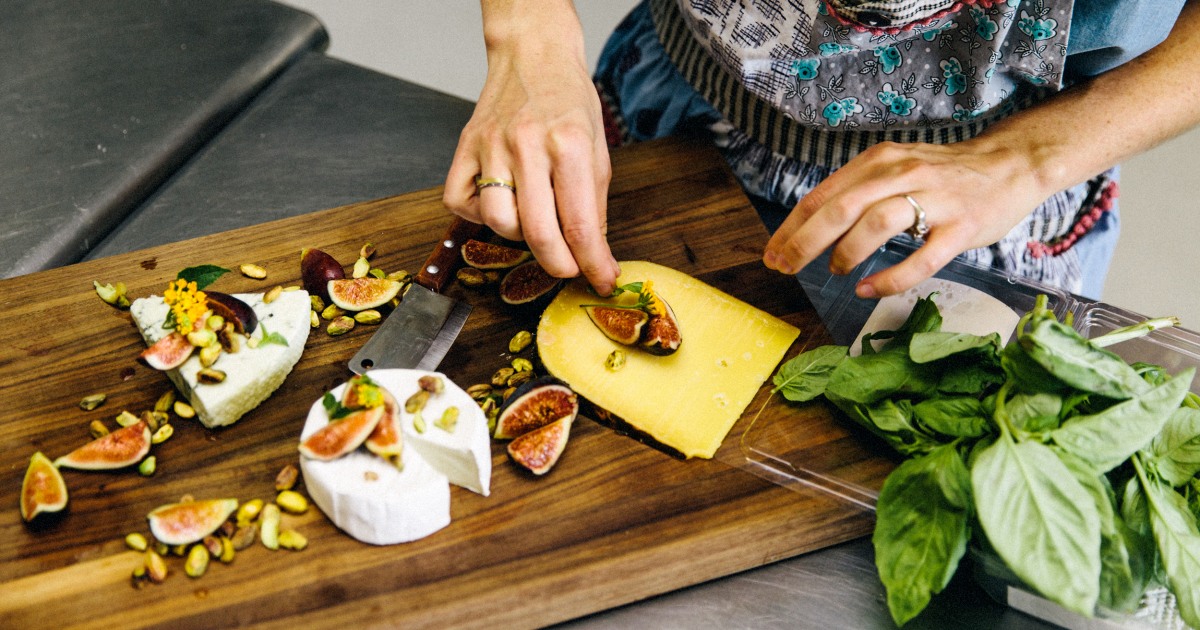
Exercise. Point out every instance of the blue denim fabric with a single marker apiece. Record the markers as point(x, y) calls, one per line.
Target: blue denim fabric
point(1107, 33)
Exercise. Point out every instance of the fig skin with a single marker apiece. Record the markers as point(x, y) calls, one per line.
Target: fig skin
point(386, 439)
point(623, 325)
point(341, 436)
point(481, 255)
point(43, 489)
point(527, 283)
point(538, 450)
point(316, 270)
point(123, 447)
point(534, 405)
point(167, 353)
point(234, 310)
point(186, 523)
point(661, 335)
point(360, 294)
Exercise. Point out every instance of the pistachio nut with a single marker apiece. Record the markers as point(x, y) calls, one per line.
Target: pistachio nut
point(376, 272)
point(400, 276)
point(340, 326)
point(367, 250)
point(163, 434)
point(318, 304)
point(521, 364)
point(480, 391)
point(252, 342)
point(139, 578)
point(229, 339)
point(418, 422)
point(500, 378)
point(183, 410)
point(89, 403)
point(165, 401)
point(470, 277)
point(272, 295)
point(244, 536)
point(214, 323)
point(179, 550)
point(519, 377)
point(520, 341)
point(213, 544)
point(227, 551)
point(197, 561)
point(417, 401)
point(227, 528)
point(333, 311)
point(126, 419)
point(113, 294)
point(156, 567)
point(248, 511)
point(210, 376)
point(210, 354)
point(150, 419)
point(286, 479)
point(98, 429)
point(160, 548)
point(362, 267)
point(615, 360)
point(369, 316)
point(202, 338)
point(448, 421)
point(251, 270)
point(292, 539)
point(504, 396)
point(432, 384)
point(291, 287)
point(314, 320)
point(269, 526)
point(292, 502)
point(491, 275)
point(148, 466)
point(136, 542)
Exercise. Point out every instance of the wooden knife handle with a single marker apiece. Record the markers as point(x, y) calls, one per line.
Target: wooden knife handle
point(446, 255)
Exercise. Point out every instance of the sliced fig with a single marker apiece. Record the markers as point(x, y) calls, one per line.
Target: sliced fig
point(341, 436)
point(360, 294)
point(538, 450)
point(124, 447)
point(233, 310)
point(168, 352)
point(534, 405)
point(662, 336)
point(43, 489)
point(526, 283)
point(481, 255)
point(622, 325)
point(186, 523)
point(386, 438)
point(316, 270)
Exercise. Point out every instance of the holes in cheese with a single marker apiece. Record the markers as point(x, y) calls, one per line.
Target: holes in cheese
point(687, 401)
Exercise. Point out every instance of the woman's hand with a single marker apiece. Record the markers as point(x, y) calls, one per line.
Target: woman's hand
point(972, 192)
point(538, 124)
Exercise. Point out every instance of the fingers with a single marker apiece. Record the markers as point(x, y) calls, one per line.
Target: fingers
point(922, 264)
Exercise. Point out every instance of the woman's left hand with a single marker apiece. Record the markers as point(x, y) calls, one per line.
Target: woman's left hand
point(972, 193)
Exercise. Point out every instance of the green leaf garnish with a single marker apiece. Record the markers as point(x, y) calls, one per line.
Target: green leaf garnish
point(271, 337)
point(202, 275)
point(333, 408)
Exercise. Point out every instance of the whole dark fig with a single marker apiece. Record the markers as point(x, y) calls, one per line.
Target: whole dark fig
point(316, 270)
point(233, 310)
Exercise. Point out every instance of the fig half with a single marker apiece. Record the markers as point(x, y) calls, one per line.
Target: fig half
point(662, 335)
point(43, 489)
point(481, 255)
point(526, 283)
point(360, 294)
point(185, 523)
point(342, 436)
point(534, 405)
point(123, 447)
point(622, 325)
point(539, 450)
point(167, 353)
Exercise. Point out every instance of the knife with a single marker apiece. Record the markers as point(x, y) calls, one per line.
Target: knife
point(418, 333)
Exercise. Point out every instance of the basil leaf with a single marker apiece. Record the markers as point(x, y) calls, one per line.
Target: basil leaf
point(202, 275)
point(932, 346)
point(1034, 413)
point(921, 529)
point(1110, 437)
point(804, 377)
point(1175, 452)
point(1040, 521)
point(1178, 547)
point(1028, 375)
point(1073, 360)
point(960, 416)
point(924, 317)
point(334, 408)
point(270, 337)
point(869, 378)
point(892, 421)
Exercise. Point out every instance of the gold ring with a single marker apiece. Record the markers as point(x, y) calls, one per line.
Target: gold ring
point(488, 182)
point(919, 228)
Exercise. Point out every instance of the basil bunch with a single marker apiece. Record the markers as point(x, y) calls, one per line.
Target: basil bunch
point(1078, 469)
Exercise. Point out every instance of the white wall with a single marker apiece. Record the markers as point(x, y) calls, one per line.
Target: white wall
point(439, 44)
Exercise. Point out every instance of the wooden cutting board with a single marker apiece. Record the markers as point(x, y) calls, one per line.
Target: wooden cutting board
point(615, 521)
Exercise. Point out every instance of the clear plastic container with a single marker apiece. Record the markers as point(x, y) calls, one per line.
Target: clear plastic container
point(784, 450)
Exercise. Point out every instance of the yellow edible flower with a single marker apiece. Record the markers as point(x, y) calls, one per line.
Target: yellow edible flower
point(188, 304)
point(653, 305)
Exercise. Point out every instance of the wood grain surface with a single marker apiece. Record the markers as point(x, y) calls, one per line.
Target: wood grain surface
point(614, 522)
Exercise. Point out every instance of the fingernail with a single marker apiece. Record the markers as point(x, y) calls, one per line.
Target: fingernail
point(865, 290)
point(771, 260)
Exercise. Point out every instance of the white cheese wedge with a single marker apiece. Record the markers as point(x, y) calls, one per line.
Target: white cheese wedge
point(378, 503)
point(251, 374)
point(964, 309)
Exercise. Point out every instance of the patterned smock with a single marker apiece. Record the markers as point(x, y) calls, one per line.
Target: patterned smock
point(792, 89)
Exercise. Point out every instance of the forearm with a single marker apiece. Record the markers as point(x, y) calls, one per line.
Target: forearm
point(541, 30)
point(1105, 120)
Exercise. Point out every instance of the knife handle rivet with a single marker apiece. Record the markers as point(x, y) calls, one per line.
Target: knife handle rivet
point(431, 269)
point(448, 244)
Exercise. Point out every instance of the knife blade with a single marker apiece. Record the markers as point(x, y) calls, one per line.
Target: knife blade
point(419, 331)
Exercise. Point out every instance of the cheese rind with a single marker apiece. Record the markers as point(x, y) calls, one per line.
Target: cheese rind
point(688, 400)
point(251, 374)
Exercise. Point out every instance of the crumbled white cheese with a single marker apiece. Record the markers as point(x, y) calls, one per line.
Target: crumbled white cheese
point(251, 374)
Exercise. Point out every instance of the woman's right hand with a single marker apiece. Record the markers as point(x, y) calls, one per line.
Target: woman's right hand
point(538, 123)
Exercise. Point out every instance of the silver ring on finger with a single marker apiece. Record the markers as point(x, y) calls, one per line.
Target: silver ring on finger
point(919, 228)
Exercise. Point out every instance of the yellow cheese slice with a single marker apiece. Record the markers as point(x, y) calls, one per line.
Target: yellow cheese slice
point(689, 400)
